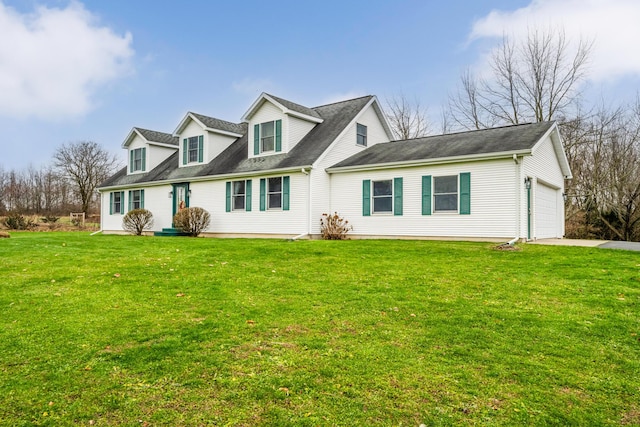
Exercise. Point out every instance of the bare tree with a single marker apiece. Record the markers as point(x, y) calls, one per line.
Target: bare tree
point(86, 165)
point(537, 79)
point(408, 119)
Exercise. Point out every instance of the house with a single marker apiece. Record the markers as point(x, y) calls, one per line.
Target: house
point(277, 171)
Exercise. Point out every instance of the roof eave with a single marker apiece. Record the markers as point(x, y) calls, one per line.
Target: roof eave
point(206, 178)
point(430, 162)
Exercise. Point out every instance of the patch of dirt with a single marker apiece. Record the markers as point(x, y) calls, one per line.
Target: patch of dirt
point(506, 247)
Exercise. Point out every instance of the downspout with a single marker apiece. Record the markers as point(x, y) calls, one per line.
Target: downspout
point(308, 232)
point(518, 204)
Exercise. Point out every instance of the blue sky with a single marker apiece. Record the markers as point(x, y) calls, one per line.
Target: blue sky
point(93, 69)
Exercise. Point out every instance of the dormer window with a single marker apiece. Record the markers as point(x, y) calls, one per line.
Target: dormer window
point(267, 137)
point(192, 150)
point(137, 160)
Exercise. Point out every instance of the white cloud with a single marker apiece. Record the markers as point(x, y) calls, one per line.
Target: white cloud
point(611, 24)
point(53, 60)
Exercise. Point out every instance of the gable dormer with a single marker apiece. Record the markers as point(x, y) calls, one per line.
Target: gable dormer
point(276, 125)
point(147, 149)
point(202, 138)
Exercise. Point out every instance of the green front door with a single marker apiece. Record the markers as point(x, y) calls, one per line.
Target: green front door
point(180, 197)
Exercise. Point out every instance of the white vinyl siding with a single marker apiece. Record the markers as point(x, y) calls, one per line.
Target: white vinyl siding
point(493, 210)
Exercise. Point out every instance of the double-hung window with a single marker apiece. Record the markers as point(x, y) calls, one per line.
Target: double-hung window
point(267, 137)
point(383, 196)
point(137, 160)
point(361, 134)
point(238, 195)
point(274, 193)
point(445, 193)
point(116, 202)
point(136, 199)
point(192, 150)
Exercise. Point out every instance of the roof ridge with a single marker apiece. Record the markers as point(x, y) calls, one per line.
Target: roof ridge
point(151, 130)
point(345, 100)
point(214, 118)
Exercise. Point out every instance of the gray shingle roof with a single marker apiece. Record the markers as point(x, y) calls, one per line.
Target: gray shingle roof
point(155, 136)
point(213, 123)
point(479, 142)
point(235, 160)
point(296, 107)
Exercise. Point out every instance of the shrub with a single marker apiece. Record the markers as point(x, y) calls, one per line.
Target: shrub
point(192, 220)
point(51, 221)
point(137, 220)
point(334, 227)
point(15, 221)
point(4, 235)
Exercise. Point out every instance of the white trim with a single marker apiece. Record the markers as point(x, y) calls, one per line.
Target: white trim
point(265, 97)
point(189, 115)
point(231, 176)
point(425, 162)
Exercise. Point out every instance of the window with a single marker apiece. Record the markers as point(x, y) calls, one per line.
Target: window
point(361, 138)
point(383, 196)
point(137, 160)
point(192, 150)
point(274, 193)
point(239, 193)
point(116, 205)
point(267, 137)
point(136, 199)
point(445, 193)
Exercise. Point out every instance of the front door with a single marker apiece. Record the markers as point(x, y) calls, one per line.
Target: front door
point(180, 197)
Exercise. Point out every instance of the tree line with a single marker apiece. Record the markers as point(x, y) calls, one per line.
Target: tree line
point(66, 185)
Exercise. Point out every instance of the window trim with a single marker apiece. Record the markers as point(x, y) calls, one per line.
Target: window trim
point(192, 140)
point(269, 193)
point(133, 167)
point(235, 195)
point(132, 199)
point(272, 136)
point(361, 137)
point(112, 203)
point(389, 196)
point(457, 194)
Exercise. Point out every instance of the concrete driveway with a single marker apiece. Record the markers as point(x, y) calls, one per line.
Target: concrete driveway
point(603, 244)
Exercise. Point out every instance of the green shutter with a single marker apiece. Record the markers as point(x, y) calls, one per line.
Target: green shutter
point(426, 195)
point(397, 196)
point(131, 161)
point(263, 190)
point(122, 202)
point(111, 203)
point(247, 199)
point(141, 199)
point(130, 200)
point(200, 148)
point(278, 135)
point(285, 193)
point(465, 193)
point(185, 148)
point(228, 197)
point(366, 197)
point(256, 140)
point(144, 159)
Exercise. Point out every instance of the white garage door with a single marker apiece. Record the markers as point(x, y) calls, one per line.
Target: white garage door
point(546, 212)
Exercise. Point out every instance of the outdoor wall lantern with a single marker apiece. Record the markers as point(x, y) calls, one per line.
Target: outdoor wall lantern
point(170, 194)
point(189, 193)
point(527, 183)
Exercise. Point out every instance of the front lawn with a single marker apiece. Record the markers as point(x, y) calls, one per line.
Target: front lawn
point(123, 330)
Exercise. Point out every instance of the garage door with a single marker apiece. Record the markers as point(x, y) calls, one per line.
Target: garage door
point(546, 212)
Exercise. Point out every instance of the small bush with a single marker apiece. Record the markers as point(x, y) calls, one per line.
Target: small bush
point(192, 220)
point(334, 227)
point(137, 220)
point(50, 219)
point(15, 221)
point(4, 235)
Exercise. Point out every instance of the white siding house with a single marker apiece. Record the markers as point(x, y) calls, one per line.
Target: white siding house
point(275, 173)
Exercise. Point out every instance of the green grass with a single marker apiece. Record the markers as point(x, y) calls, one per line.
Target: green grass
point(122, 330)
